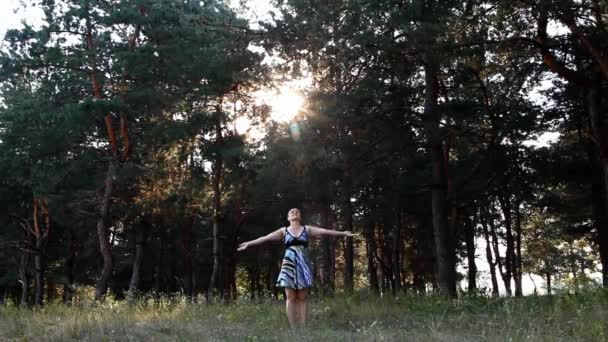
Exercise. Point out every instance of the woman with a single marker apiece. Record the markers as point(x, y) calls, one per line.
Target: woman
point(295, 275)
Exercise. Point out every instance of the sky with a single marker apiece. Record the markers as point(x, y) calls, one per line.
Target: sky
point(10, 19)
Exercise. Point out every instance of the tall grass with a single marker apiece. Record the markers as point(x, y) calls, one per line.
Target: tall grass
point(360, 317)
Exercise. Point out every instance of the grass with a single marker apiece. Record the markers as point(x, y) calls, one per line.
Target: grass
point(356, 318)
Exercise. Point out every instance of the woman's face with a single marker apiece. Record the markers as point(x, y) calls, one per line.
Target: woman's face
point(294, 214)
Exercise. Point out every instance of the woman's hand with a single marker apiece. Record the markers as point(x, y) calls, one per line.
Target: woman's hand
point(348, 233)
point(243, 246)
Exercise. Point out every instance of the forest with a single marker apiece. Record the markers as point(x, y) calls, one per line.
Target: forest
point(464, 142)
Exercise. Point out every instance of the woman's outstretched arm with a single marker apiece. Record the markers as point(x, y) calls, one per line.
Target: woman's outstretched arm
point(317, 231)
point(277, 235)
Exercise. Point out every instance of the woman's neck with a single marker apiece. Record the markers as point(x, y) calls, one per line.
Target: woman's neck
point(294, 225)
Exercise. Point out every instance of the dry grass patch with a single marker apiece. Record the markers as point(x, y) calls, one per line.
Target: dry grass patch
point(359, 317)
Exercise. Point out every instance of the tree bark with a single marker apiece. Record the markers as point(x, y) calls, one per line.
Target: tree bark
point(549, 60)
point(444, 248)
point(469, 230)
point(506, 278)
point(24, 278)
point(385, 260)
point(348, 225)
point(216, 185)
point(101, 287)
point(491, 262)
point(421, 267)
point(39, 267)
point(252, 271)
point(370, 249)
point(4, 296)
point(68, 290)
point(186, 251)
point(51, 290)
point(137, 261)
point(600, 134)
point(600, 219)
point(158, 268)
point(396, 249)
point(41, 235)
point(170, 271)
point(518, 260)
point(510, 273)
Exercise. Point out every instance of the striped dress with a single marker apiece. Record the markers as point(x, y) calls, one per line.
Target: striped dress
point(295, 269)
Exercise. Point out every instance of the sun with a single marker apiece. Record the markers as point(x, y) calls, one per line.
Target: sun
point(285, 103)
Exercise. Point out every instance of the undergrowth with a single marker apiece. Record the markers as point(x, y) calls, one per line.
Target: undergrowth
point(360, 317)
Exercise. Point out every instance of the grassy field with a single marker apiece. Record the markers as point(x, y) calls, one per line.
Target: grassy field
point(355, 318)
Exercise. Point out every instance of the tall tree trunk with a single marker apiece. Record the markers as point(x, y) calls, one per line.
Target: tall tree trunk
point(239, 220)
point(171, 257)
point(491, 262)
point(600, 133)
point(41, 236)
point(39, 268)
point(4, 296)
point(68, 287)
point(385, 260)
point(510, 273)
point(348, 225)
point(101, 287)
point(137, 261)
point(506, 278)
point(216, 185)
point(186, 251)
point(404, 262)
point(420, 258)
point(396, 249)
point(51, 290)
point(548, 279)
point(158, 267)
point(370, 249)
point(518, 260)
point(444, 248)
point(469, 230)
point(252, 272)
point(230, 273)
point(103, 222)
point(600, 219)
point(24, 278)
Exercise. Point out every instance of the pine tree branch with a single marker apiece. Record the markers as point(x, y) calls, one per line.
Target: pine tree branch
point(597, 13)
point(599, 57)
point(552, 63)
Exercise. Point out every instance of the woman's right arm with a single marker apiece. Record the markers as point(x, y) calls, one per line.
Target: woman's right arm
point(277, 235)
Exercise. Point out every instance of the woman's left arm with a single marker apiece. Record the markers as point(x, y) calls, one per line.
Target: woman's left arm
point(317, 231)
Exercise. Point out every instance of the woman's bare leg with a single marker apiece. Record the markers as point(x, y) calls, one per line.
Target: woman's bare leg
point(302, 306)
point(291, 306)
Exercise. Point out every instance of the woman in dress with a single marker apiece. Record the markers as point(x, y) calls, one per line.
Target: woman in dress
point(295, 275)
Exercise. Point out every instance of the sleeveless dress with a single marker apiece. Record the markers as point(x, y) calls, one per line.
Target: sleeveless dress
point(295, 269)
